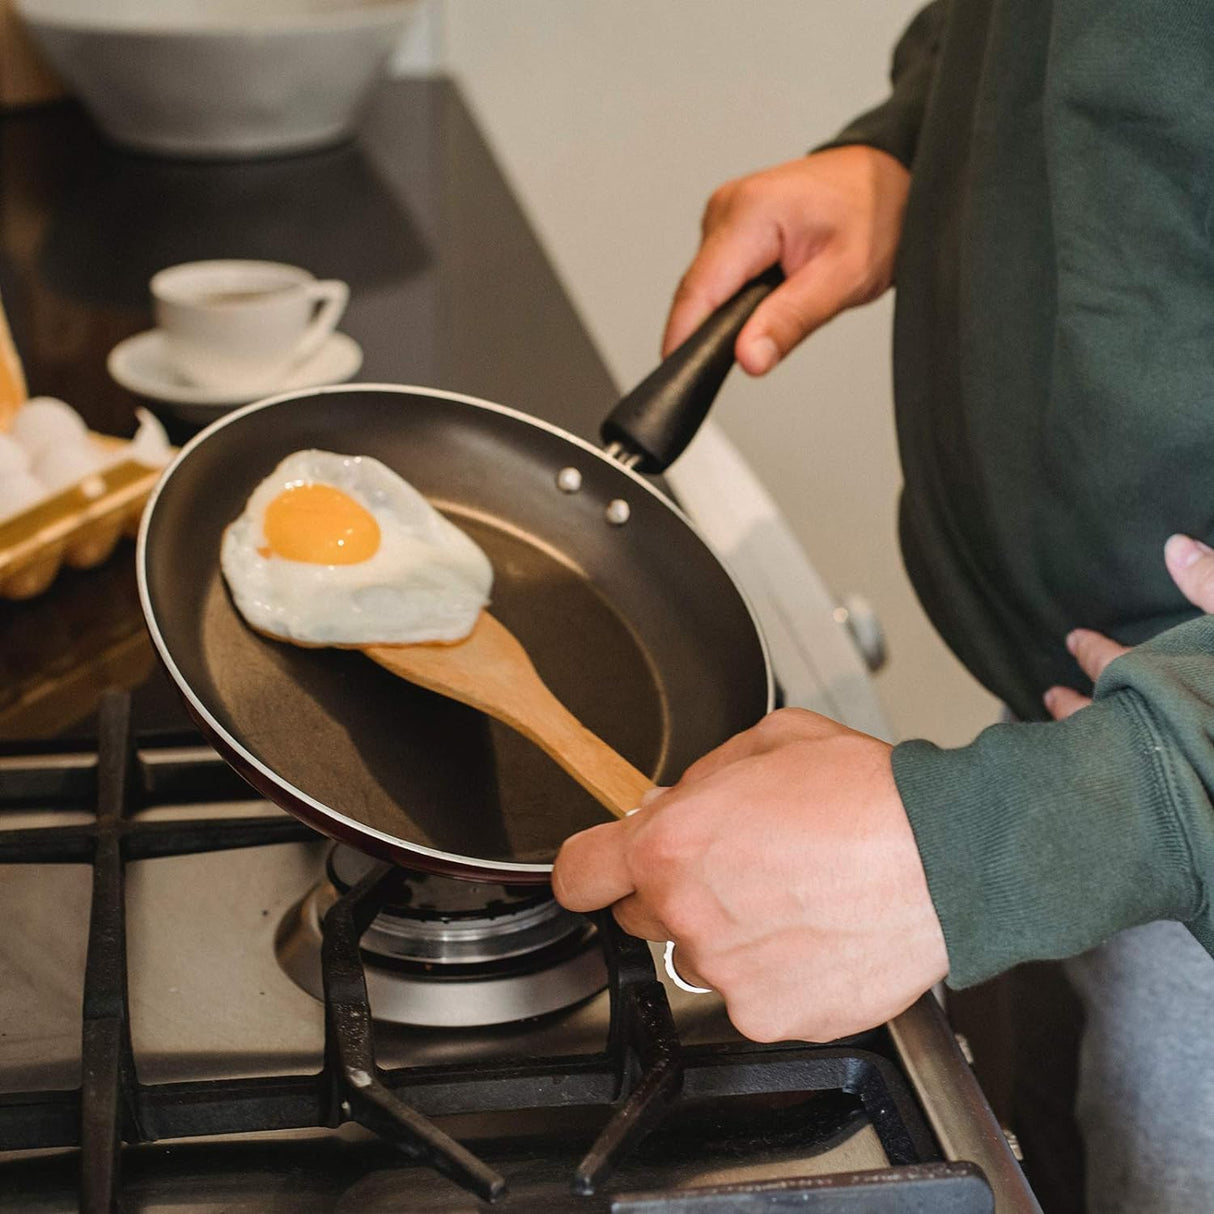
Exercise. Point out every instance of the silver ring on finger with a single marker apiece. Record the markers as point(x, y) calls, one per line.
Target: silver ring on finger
point(677, 978)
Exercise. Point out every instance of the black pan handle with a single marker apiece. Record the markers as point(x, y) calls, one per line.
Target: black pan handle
point(661, 415)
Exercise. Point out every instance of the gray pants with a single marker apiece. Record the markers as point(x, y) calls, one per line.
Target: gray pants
point(1146, 1075)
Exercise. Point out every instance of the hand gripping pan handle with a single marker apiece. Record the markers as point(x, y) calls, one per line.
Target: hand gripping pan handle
point(656, 420)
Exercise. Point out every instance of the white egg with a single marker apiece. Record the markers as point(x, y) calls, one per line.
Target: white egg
point(425, 580)
point(150, 445)
point(64, 465)
point(19, 492)
point(14, 458)
point(44, 422)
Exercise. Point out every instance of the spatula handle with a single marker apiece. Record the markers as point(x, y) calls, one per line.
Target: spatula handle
point(490, 671)
point(603, 772)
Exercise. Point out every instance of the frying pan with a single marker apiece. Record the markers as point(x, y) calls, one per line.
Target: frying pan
point(627, 614)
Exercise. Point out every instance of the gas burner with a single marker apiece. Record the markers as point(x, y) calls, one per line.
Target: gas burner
point(452, 954)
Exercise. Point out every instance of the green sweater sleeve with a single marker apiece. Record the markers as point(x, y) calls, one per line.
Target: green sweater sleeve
point(1041, 840)
point(893, 126)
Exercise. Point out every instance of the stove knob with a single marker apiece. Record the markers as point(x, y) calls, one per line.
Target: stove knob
point(856, 614)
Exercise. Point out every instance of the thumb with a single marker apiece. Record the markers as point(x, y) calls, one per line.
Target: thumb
point(805, 302)
point(1191, 564)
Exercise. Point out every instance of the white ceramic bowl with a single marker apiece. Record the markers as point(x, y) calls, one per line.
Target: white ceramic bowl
point(219, 78)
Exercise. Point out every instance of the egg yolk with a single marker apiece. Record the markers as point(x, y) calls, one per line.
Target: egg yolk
point(320, 525)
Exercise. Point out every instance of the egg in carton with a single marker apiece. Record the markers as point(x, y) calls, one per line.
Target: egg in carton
point(68, 495)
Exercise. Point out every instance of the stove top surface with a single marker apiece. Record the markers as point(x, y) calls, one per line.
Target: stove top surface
point(241, 1090)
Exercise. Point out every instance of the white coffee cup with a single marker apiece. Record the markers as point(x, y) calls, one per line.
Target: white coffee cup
point(242, 325)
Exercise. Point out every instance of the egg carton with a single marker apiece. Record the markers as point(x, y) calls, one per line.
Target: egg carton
point(79, 527)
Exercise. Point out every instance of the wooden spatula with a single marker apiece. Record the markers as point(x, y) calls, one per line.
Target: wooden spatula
point(490, 670)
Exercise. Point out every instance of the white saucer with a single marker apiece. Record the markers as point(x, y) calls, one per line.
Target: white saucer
point(139, 364)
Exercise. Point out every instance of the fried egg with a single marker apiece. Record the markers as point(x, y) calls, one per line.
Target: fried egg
point(340, 550)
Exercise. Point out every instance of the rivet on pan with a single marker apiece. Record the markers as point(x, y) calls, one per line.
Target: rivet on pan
point(568, 480)
point(618, 512)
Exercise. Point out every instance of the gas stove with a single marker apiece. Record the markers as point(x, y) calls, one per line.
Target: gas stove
point(207, 1007)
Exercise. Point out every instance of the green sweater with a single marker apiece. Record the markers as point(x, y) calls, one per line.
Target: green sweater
point(1054, 376)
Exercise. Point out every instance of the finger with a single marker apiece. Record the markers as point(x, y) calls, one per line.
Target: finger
point(807, 300)
point(773, 730)
point(1093, 651)
point(1191, 564)
point(638, 920)
point(1061, 702)
point(741, 746)
point(590, 871)
point(727, 259)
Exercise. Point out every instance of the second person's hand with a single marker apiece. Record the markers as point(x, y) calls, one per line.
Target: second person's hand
point(1191, 564)
point(832, 220)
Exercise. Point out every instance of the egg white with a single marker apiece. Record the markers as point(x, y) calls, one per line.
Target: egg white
point(427, 581)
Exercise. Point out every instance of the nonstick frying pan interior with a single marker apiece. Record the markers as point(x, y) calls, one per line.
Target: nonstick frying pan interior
point(636, 627)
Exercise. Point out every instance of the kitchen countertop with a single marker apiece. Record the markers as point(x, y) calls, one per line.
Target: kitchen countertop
point(449, 288)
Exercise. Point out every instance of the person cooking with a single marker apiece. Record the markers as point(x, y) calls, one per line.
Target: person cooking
point(1040, 185)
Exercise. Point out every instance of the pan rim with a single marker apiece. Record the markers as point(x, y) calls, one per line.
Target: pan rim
point(391, 843)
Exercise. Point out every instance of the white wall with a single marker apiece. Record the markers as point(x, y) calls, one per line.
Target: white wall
point(614, 120)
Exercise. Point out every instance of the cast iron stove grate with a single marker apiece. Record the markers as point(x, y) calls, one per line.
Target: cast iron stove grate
point(641, 1076)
